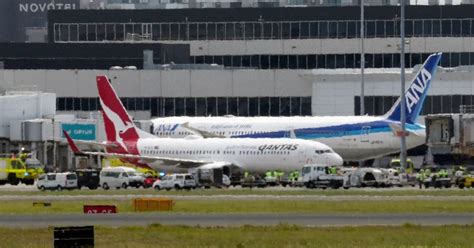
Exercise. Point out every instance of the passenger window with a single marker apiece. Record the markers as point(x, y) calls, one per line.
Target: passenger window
point(51, 177)
point(124, 174)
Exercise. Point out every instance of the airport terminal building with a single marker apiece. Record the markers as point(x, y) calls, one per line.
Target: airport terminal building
point(258, 60)
point(271, 61)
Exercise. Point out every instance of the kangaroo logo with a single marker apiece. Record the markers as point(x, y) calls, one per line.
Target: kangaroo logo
point(120, 126)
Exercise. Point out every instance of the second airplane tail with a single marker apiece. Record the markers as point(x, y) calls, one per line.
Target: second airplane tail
point(416, 93)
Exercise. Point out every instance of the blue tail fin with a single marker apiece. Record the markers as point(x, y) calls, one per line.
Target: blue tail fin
point(416, 93)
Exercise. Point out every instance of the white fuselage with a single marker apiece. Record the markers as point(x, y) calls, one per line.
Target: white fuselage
point(254, 155)
point(352, 137)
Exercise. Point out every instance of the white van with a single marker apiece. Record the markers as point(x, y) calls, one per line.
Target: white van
point(120, 177)
point(57, 181)
point(176, 181)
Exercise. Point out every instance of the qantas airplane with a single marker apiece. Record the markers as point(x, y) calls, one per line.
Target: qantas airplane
point(127, 142)
point(353, 137)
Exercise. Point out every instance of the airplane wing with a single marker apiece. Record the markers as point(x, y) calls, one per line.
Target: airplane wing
point(217, 165)
point(177, 162)
point(96, 144)
point(202, 133)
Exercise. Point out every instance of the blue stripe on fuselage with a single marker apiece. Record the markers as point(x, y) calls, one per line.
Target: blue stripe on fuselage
point(333, 131)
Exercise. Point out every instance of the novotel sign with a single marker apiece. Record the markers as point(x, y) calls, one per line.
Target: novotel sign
point(35, 7)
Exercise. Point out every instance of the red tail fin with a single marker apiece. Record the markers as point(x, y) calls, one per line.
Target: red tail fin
point(119, 126)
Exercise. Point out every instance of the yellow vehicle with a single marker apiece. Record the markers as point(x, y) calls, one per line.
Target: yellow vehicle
point(466, 182)
point(16, 170)
point(114, 162)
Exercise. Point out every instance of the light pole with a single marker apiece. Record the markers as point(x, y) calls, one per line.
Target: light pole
point(403, 152)
point(362, 59)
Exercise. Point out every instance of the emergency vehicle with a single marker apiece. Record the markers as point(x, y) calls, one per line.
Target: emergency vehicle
point(15, 170)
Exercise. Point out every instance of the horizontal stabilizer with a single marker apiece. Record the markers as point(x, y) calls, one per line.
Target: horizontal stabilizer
point(71, 143)
point(397, 130)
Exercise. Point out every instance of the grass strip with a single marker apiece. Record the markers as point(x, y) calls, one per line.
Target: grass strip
point(249, 236)
point(254, 206)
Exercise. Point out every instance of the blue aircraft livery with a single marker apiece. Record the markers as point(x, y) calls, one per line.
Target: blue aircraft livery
point(353, 137)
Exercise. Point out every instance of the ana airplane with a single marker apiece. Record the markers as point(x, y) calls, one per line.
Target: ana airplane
point(353, 137)
point(127, 142)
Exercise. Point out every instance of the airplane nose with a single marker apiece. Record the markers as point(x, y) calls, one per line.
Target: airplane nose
point(335, 159)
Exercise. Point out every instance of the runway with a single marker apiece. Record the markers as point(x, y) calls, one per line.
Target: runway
point(310, 220)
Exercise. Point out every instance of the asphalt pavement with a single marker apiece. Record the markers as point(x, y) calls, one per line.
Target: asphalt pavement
point(319, 220)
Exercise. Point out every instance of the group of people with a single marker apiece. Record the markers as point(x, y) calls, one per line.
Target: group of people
point(424, 174)
point(278, 176)
point(275, 174)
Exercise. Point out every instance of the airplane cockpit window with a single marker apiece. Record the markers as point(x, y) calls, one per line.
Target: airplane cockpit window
point(323, 151)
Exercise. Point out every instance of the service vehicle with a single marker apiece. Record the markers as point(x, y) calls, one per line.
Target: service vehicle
point(226, 181)
point(399, 176)
point(251, 181)
point(437, 182)
point(462, 178)
point(271, 180)
point(209, 177)
point(321, 176)
point(88, 178)
point(148, 181)
point(120, 177)
point(19, 170)
point(57, 181)
point(367, 177)
point(467, 181)
point(236, 179)
point(176, 181)
point(394, 177)
point(116, 162)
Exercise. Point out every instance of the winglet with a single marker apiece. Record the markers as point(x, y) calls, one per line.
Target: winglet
point(71, 143)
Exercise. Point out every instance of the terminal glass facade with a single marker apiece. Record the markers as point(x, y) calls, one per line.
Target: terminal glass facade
point(256, 106)
point(379, 105)
point(273, 30)
point(199, 106)
point(330, 61)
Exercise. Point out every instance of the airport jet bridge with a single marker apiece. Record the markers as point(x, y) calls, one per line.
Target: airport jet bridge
point(451, 135)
